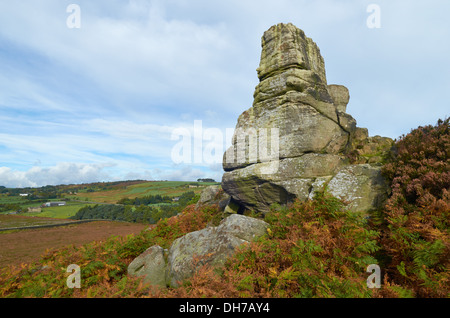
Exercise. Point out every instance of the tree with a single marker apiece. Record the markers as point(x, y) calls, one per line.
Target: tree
point(206, 180)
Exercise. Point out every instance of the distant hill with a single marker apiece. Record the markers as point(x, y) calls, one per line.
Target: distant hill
point(12, 199)
point(112, 193)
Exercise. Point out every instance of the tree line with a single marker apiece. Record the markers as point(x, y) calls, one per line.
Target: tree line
point(4, 207)
point(150, 199)
point(206, 180)
point(127, 213)
point(137, 213)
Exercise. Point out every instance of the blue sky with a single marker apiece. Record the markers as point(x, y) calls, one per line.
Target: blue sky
point(100, 102)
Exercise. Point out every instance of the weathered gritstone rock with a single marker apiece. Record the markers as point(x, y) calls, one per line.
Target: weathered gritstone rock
point(362, 185)
point(150, 264)
point(340, 96)
point(314, 136)
point(213, 195)
point(285, 46)
point(211, 246)
point(293, 178)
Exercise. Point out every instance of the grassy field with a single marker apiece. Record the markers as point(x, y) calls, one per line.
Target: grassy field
point(4, 199)
point(27, 245)
point(59, 212)
point(103, 193)
point(17, 246)
point(169, 188)
point(9, 221)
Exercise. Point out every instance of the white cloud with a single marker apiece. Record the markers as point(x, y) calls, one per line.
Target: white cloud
point(128, 130)
point(62, 173)
point(138, 53)
point(184, 173)
point(114, 90)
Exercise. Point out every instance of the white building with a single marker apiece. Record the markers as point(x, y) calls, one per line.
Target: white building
point(49, 204)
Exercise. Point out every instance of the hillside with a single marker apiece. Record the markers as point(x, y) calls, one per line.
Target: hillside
point(130, 201)
point(334, 213)
point(27, 246)
point(79, 196)
point(312, 249)
point(99, 198)
point(121, 190)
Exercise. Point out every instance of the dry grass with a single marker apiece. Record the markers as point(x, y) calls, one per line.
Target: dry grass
point(8, 220)
point(26, 246)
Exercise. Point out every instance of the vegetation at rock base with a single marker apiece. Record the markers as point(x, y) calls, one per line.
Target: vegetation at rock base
point(416, 234)
point(104, 263)
point(312, 249)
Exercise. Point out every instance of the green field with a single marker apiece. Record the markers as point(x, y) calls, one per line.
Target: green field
point(4, 199)
point(59, 212)
point(10, 221)
point(169, 188)
point(103, 193)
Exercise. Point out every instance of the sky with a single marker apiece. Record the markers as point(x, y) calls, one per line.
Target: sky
point(107, 90)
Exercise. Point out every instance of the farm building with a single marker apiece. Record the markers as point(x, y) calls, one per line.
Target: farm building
point(34, 209)
point(50, 204)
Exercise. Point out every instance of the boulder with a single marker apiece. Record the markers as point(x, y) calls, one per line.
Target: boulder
point(150, 264)
point(232, 208)
point(361, 185)
point(371, 150)
point(340, 96)
point(210, 246)
point(196, 249)
point(213, 195)
point(297, 135)
point(208, 194)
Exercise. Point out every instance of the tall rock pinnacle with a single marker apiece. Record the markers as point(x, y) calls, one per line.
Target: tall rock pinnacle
point(284, 46)
point(297, 136)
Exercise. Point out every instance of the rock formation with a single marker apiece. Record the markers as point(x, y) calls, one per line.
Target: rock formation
point(295, 140)
point(151, 265)
point(297, 137)
point(213, 195)
point(211, 246)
